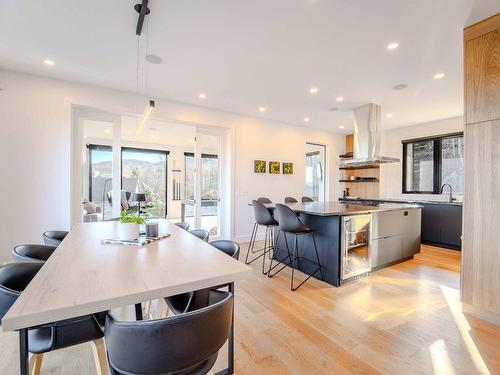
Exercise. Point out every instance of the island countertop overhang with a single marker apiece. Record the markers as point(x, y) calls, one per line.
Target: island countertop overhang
point(333, 208)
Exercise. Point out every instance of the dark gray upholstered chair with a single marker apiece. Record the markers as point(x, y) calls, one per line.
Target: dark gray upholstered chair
point(32, 253)
point(263, 218)
point(54, 237)
point(14, 278)
point(291, 224)
point(183, 225)
point(231, 248)
point(202, 234)
point(307, 199)
point(178, 345)
point(182, 303)
point(290, 200)
point(264, 200)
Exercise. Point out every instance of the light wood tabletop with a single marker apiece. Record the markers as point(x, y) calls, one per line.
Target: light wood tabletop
point(84, 276)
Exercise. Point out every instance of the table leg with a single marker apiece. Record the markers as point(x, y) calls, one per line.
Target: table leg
point(138, 311)
point(23, 352)
point(230, 342)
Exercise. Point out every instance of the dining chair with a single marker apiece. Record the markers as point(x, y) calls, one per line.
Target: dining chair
point(202, 234)
point(54, 237)
point(307, 199)
point(229, 247)
point(264, 200)
point(190, 301)
point(290, 200)
point(14, 278)
point(32, 253)
point(183, 225)
point(176, 345)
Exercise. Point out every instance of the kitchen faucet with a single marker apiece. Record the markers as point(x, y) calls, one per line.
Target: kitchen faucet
point(451, 192)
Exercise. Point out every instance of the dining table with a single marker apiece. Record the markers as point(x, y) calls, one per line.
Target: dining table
point(86, 275)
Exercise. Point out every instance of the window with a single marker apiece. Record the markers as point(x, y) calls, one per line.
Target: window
point(315, 168)
point(143, 170)
point(431, 162)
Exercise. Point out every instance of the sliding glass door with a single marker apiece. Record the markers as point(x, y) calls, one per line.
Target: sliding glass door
point(315, 171)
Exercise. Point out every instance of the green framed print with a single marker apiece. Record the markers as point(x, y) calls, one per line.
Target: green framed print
point(274, 167)
point(287, 168)
point(259, 166)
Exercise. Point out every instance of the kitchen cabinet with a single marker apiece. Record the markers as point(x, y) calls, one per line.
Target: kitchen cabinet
point(386, 250)
point(442, 225)
point(411, 232)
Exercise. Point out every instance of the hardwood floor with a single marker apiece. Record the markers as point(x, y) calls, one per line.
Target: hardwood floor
point(405, 319)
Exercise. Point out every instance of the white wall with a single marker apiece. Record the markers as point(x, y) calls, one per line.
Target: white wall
point(391, 174)
point(35, 149)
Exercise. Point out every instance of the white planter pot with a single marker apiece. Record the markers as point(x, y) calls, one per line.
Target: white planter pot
point(128, 231)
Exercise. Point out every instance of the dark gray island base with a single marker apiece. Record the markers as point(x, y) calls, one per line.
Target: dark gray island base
point(388, 223)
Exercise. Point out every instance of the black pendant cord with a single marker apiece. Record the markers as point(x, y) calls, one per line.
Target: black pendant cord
point(143, 10)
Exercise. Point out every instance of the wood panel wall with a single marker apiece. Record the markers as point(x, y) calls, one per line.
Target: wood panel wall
point(480, 287)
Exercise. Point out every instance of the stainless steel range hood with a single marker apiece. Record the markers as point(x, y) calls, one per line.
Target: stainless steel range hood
point(367, 138)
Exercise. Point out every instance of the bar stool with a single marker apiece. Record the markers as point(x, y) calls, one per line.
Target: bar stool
point(307, 199)
point(262, 218)
point(14, 278)
point(54, 237)
point(290, 223)
point(291, 200)
point(32, 253)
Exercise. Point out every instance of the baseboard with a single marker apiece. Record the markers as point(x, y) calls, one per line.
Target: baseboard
point(481, 314)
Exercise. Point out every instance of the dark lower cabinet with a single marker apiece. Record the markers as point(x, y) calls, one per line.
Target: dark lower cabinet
point(442, 225)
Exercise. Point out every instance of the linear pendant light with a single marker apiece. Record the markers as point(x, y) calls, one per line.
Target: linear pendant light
point(145, 115)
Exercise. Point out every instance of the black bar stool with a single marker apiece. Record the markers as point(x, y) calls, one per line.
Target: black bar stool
point(290, 200)
point(290, 223)
point(262, 218)
point(32, 253)
point(307, 199)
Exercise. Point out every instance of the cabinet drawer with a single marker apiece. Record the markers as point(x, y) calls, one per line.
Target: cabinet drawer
point(386, 250)
point(387, 224)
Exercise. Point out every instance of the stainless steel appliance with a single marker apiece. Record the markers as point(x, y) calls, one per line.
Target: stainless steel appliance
point(355, 245)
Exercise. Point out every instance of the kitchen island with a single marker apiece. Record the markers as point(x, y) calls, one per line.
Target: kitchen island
point(353, 239)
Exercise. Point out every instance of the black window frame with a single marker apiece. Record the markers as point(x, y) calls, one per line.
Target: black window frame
point(437, 161)
point(92, 146)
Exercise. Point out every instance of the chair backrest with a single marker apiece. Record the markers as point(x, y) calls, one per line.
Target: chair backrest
point(290, 200)
point(262, 214)
point(183, 225)
point(264, 200)
point(307, 199)
point(185, 343)
point(32, 253)
point(54, 237)
point(231, 248)
point(14, 278)
point(289, 222)
point(202, 234)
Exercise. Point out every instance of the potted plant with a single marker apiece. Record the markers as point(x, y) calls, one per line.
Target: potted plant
point(128, 229)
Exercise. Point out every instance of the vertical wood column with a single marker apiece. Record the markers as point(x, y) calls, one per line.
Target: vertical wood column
point(480, 284)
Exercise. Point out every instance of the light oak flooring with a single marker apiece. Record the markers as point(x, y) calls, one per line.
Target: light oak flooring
point(405, 319)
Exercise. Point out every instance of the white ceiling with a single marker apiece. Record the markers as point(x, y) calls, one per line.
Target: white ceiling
point(249, 53)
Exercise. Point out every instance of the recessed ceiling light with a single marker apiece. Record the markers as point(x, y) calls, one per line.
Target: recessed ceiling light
point(340, 99)
point(438, 75)
point(313, 90)
point(389, 115)
point(202, 95)
point(307, 119)
point(48, 62)
point(262, 109)
point(401, 86)
point(341, 127)
point(107, 131)
point(154, 59)
point(392, 46)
